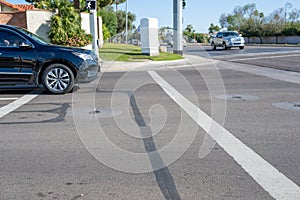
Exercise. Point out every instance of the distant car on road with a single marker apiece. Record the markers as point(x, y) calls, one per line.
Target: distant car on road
point(227, 39)
point(27, 59)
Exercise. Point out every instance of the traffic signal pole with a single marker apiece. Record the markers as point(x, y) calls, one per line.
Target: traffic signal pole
point(94, 31)
point(91, 5)
point(177, 24)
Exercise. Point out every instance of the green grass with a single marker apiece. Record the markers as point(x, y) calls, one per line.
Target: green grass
point(131, 53)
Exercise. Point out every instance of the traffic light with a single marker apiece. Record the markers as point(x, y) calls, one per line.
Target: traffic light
point(183, 4)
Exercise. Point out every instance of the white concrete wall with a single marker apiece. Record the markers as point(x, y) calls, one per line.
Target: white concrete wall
point(38, 22)
point(85, 22)
point(272, 40)
point(100, 31)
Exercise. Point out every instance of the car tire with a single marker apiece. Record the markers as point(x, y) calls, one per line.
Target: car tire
point(213, 46)
point(224, 46)
point(58, 79)
point(241, 48)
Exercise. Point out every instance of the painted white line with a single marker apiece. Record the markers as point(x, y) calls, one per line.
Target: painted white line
point(267, 176)
point(257, 54)
point(8, 99)
point(257, 58)
point(18, 103)
point(288, 76)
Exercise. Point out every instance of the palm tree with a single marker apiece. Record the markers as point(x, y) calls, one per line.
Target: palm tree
point(117, 2)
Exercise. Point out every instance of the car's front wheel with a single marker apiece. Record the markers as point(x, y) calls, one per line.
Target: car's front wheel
point(58, 79)
point(242, 47)
point(213, 46)
point(224, 46)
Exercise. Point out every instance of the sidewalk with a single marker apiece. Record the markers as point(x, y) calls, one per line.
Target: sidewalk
point(117, 66)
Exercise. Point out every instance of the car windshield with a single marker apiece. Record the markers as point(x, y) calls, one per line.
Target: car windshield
point(33, 36)
point(227, 34)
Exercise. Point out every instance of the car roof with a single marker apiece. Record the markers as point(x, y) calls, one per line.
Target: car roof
point(7, 26)
point(228, 31)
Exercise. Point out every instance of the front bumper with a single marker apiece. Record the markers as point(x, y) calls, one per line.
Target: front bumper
point(88, 71)
point(235, 44)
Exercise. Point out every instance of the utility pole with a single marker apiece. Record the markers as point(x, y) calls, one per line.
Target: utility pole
point(177, 24)
point(126, 31)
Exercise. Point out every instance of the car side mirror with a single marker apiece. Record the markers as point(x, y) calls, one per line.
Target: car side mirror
point(240, 35)
point(25, 45)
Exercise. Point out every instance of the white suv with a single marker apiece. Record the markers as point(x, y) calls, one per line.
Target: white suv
point(227, 39)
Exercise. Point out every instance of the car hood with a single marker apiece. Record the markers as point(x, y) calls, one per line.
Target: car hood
point(69, 49)
point(234, 37)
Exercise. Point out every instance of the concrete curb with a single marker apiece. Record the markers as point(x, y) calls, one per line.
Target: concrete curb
point(108, 66)
point(117, 66)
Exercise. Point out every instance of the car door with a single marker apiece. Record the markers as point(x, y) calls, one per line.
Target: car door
point(219, 39)
point(11, 64)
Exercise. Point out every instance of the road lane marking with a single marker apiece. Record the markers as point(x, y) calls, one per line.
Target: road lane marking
point(264, 57)
point(282, 75)
point(256, 54)
point(19, 102)
point(8, 98)
point(267, 176)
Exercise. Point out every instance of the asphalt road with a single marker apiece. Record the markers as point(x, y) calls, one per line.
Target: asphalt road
point(280, 57)
point(69, 146)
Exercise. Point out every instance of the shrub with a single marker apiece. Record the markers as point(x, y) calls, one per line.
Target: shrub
point(66, 26)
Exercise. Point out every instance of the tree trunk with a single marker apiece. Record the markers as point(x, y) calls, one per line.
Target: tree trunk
point(260, 39)
point(77, 4)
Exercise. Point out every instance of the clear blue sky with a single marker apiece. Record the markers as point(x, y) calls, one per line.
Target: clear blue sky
point(199, 13)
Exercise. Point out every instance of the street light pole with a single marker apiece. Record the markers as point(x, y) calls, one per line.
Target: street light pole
point(177, 24)
point(126, 31)
point(94, 29)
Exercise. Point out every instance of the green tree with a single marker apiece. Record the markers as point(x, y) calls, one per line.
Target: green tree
point(104, 3)
point(109, 19)
point(121, 16)
point(117, 2)
point(78, 4)
point(276, 23)
point(254, 25)
point(65, 26)
point(106, 33)
point(200, 38)
point(292, 29)
point(249, 21)
point(213, 28)
point(294, 15)
point(189, 29)
point(189, 32)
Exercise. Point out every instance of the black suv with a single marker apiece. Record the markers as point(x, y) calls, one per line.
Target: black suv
point(27, 59)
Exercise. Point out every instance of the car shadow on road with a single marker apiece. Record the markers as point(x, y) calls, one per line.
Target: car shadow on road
point(12, 90)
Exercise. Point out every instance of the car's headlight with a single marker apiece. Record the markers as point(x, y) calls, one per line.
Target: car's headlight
point(83, 56)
